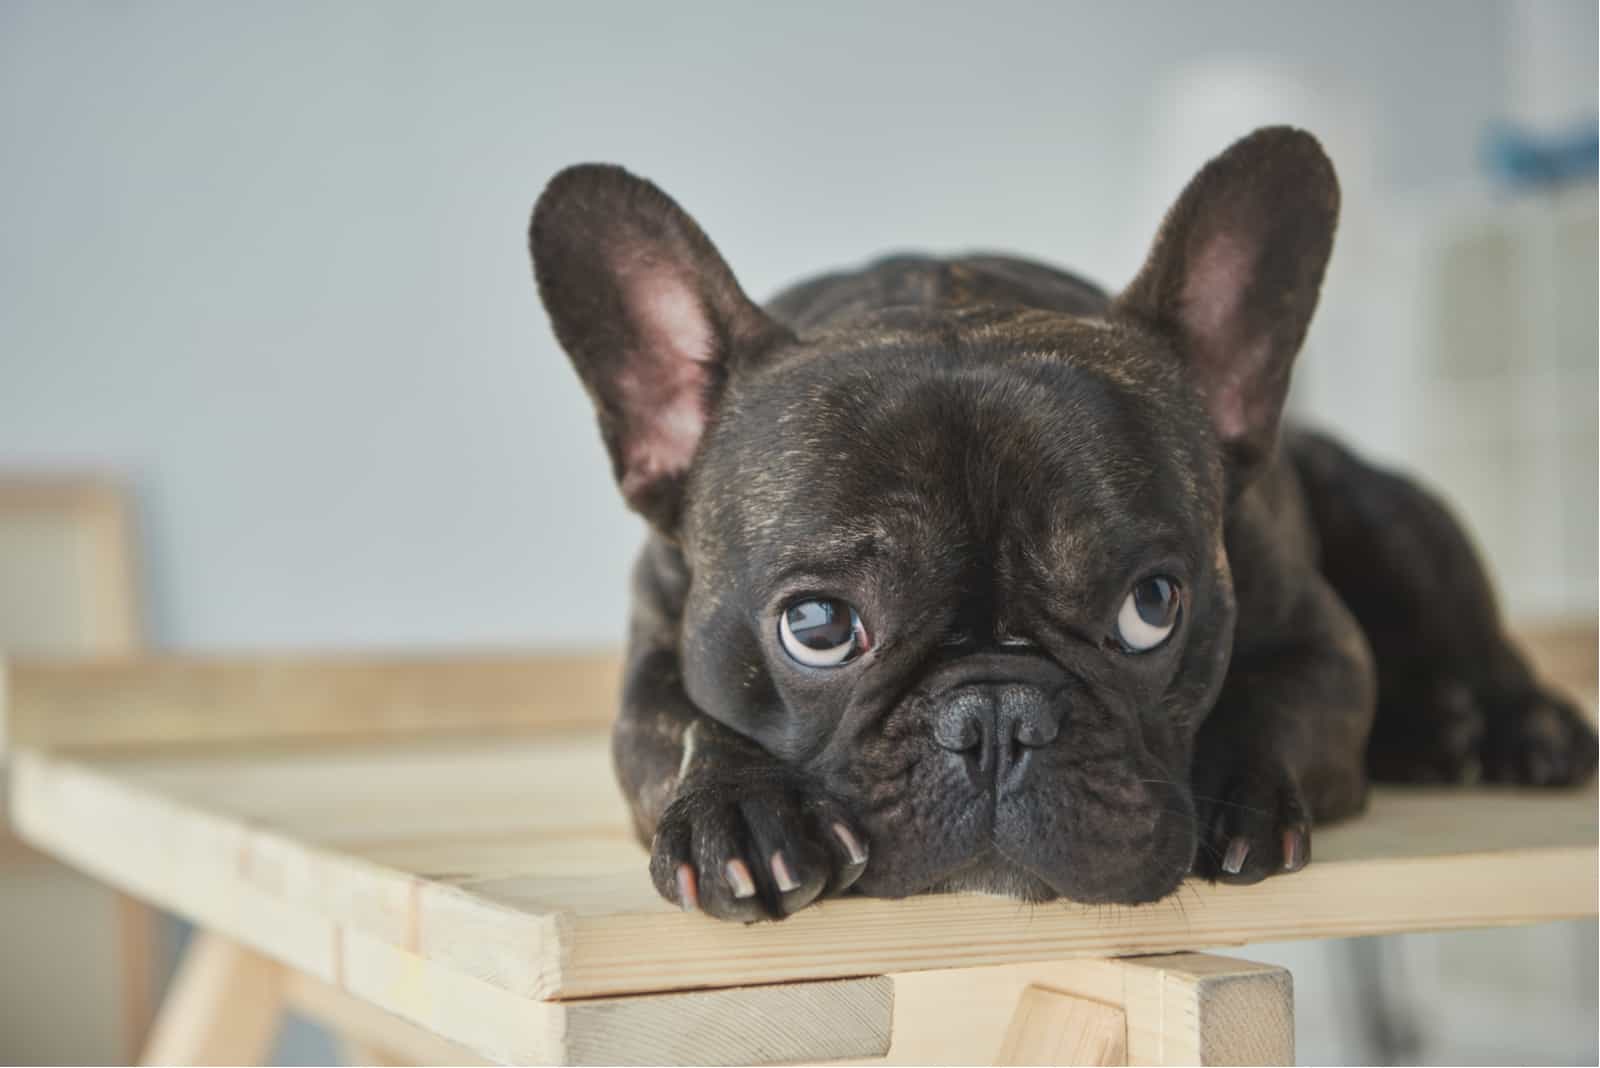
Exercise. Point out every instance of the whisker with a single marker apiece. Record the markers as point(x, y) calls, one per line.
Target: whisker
point(1209, 800)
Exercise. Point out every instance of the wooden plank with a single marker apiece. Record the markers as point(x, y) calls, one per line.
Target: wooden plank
point(174, 701)
point(372, 1034)
point(67, 577)
point(510, 861)
point(1186, 1008)
point(180, 701)
point(209, 868)
point(758, 1024)
point(632, 951)
point(1189, 1008)
point(223, 1008)
point(136, 955)
point(69, 585)
point(1053, 1028)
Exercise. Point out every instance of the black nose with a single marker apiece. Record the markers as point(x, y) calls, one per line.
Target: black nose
point(992, 726)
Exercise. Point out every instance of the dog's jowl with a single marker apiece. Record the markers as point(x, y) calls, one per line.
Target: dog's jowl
point(966, 575)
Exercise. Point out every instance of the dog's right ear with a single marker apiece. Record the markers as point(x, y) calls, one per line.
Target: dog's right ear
point(651, 317)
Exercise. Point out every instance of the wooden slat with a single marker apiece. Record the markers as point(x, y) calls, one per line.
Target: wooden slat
point(373, 1035)
point(754, 1024)
point(68, 580)
point(172, 701)
point(1053, 1028)
point(510, 861)
point(69, 584)
point(227, 997)
point(223, 1007)
point(633, 951)
point(179, 701)
point(1183, 1008)
point(363, 929)
point(1189, 1008)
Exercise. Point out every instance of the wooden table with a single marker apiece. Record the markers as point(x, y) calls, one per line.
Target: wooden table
point(466, 888)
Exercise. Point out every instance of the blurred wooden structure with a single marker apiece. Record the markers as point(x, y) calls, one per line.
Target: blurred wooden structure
point(68, 588)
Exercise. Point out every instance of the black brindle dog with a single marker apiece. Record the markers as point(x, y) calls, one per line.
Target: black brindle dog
point(964, 575)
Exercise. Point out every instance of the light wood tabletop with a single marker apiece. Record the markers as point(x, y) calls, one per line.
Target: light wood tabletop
point(485, 885)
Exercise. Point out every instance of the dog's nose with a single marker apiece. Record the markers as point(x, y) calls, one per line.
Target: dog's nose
point(991, 726)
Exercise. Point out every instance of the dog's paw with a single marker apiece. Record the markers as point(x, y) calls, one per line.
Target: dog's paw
point(1252, 823)
point(1538, 739)
point(753, 847)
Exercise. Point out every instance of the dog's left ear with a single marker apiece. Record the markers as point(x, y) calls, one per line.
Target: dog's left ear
point(1233, 279)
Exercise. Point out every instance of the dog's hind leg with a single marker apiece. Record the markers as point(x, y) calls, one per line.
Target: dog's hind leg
point(1456, 699)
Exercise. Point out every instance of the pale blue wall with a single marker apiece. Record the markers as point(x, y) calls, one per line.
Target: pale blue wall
point(268, 259)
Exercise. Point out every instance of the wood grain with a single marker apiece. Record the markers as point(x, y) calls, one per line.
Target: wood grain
point(747, 1025)
point(1178, 1009)
point(509, 860)
point(369, 1035)
point(429, 953)
point(1192, 1008)
point(1184, 1008)
point(182, 702)
point(1054, 1028)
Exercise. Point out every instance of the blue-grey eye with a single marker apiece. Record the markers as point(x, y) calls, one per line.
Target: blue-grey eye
point(821, 632)
point(1149, 613)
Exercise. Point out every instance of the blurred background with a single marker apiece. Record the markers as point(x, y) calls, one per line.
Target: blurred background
point(264, 267)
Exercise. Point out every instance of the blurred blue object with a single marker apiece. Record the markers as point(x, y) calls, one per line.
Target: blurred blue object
point(1523, 158)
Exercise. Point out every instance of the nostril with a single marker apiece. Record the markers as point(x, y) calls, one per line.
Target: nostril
point(1035, 734)
point(957, 736)
point(960, 726)
point(1032, 723)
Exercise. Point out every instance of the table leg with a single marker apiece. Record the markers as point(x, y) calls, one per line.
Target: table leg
point(1195, 1008)
point(1182, 1008)
point(136, 935)
point(1053, 1028)
point(223, 1006)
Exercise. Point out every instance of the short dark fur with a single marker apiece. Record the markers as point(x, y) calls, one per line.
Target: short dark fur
point(983, 455)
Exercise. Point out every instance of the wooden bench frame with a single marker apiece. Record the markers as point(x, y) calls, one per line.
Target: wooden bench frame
point(101, 591)
point(1056, 987)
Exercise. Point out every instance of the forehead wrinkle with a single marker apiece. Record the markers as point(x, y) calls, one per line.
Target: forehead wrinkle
point(808, 537)
point(1078, 454)
point(830, 551)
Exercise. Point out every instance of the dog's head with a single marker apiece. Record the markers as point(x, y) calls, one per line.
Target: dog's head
point(964, 566)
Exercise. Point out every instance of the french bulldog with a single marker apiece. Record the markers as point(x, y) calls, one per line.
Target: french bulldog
point(966, 575)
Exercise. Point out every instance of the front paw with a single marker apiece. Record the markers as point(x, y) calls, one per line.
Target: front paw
point(1253, 822)
point(754, 846)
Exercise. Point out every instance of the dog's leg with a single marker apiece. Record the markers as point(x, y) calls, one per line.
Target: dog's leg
point(1456, 700)
point(731, 830)
point(1282, 748)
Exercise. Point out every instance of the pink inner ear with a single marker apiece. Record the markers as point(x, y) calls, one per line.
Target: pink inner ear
point(662, 388)
point(1224, 357)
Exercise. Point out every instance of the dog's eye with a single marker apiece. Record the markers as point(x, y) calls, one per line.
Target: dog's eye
point(821, 632)
point(1149, 614)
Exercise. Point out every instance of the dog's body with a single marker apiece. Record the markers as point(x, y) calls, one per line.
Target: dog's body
point(966, 575)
